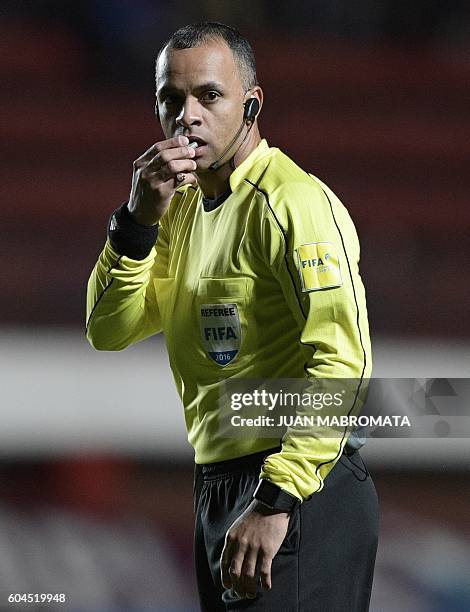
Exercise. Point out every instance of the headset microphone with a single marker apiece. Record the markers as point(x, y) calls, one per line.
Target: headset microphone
point(249, 114)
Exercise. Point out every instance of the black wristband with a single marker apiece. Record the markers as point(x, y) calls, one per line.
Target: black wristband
point(129, 238)
point(274, 497)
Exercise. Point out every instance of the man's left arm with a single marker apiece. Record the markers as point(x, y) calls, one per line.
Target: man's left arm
point(312, 247)
point(322, 285)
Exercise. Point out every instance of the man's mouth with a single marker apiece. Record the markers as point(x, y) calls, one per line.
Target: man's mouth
point(200, 142)
point(199, 150)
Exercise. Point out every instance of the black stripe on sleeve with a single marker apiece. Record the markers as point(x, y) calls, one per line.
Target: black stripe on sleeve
point(286, 250)
point(302, 310)
point(286, 260)
point(358, 327)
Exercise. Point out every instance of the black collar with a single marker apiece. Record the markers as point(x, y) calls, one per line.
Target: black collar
point(211, 204)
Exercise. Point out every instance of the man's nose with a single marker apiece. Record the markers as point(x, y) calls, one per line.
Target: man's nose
point(188, 114)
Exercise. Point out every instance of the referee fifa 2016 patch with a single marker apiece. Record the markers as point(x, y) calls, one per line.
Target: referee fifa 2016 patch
point(319, 266)
point(220, 331)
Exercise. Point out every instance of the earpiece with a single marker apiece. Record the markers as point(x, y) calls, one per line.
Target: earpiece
point(251, 109)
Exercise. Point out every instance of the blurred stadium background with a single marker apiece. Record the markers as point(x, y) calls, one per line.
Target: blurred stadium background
point(95, 473)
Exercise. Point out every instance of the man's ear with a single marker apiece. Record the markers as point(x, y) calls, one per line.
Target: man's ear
point(255, 92)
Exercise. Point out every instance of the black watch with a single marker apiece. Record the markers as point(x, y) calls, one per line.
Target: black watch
point(274, 497)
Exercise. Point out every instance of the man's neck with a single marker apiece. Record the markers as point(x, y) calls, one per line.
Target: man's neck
point(214, 183)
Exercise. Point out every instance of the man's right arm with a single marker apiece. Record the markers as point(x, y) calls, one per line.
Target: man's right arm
point(122, 304)
point(121, 301)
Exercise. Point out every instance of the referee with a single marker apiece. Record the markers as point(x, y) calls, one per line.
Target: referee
point(249, 265)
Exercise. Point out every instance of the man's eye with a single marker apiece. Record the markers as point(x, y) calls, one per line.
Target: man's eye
point(210, 96)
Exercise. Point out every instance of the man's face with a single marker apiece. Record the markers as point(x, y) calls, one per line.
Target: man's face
point(200, 95)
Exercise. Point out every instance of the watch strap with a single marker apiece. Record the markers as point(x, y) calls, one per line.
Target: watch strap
point(274, 497)
point(129, 238)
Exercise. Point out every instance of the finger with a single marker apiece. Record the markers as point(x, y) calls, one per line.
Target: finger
point(182, 179)
point(163, 157)
point(235, 571)
point(265, 572)
point(170, 170)
point(248, 574)
point(190, 179)
point(157, 147)
point(225, 560)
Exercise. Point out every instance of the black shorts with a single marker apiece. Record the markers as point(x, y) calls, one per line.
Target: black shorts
point(326, 561)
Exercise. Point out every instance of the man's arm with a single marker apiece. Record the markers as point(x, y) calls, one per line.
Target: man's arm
point(122, 303)
point(330, 309)
point(122, 306)
point(318, 268)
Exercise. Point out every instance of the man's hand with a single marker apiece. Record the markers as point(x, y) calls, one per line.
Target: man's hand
point(156, 176)
point(250, 545)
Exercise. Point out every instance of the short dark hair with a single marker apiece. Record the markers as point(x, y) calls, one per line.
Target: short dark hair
point(196, 34)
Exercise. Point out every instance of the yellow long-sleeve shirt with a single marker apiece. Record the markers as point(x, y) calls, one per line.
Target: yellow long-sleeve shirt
point(264, 286)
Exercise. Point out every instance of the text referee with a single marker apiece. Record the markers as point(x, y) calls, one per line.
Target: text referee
point(249, 265)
